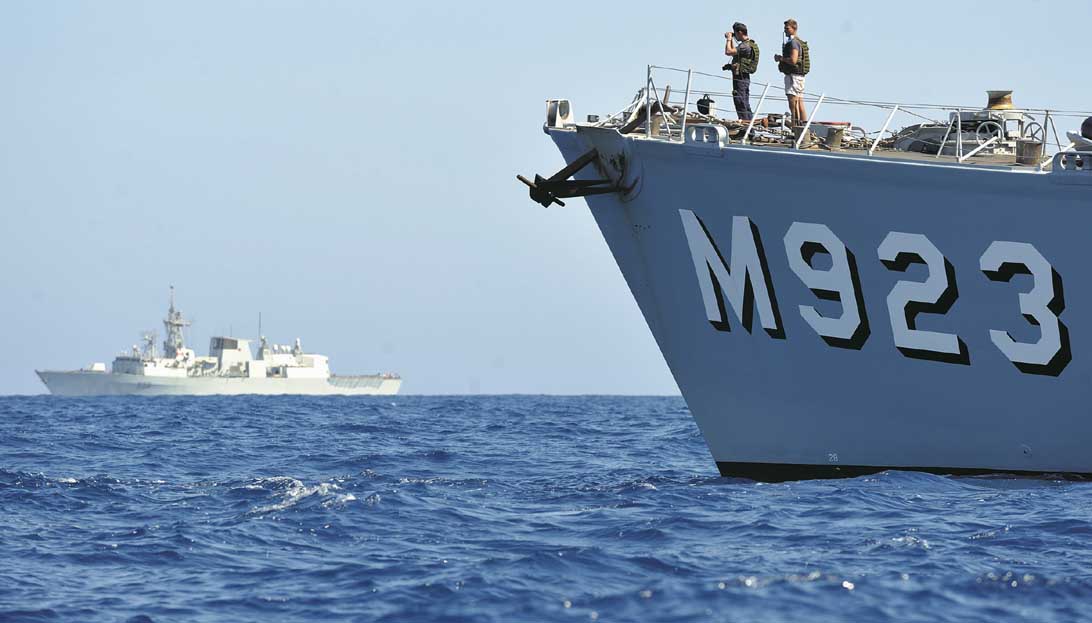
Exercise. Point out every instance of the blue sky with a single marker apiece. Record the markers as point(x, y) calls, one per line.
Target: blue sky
point(347, 168)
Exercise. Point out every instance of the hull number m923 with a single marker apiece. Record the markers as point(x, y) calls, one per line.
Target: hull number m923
point(742, 282)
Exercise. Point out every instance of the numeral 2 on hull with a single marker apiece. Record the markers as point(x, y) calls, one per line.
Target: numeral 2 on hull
point(744, 284)
point(907, 299)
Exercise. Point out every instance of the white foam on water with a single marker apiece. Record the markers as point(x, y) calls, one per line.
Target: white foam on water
point(295, 491)
point(339, 500)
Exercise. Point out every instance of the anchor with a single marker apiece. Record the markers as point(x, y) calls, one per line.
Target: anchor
point(548, 191)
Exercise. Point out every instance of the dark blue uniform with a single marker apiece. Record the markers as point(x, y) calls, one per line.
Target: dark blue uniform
point(741, 86)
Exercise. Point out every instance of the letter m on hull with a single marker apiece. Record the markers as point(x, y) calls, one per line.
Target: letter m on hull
point(744, 282)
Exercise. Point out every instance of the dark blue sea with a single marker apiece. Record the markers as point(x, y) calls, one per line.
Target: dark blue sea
point(514, 508)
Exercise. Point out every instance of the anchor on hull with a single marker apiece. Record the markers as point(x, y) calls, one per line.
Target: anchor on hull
point(548, 191)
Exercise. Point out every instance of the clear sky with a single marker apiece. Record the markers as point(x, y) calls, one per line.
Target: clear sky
point(347, 168)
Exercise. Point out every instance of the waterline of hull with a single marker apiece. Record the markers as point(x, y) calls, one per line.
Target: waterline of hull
point(85, 383)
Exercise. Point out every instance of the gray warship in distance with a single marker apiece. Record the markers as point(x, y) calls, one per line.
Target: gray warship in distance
point(834, 301)
point(229, 368)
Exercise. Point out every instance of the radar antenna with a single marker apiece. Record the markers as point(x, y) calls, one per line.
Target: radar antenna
point(174, 323)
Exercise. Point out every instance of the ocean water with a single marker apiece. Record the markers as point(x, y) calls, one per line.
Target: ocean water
point(514, 508)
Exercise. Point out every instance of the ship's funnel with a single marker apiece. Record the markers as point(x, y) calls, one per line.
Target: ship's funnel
point(999, 100)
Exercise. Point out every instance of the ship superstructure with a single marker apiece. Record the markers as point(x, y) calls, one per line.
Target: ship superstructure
point(229, 368)
point(835, 301)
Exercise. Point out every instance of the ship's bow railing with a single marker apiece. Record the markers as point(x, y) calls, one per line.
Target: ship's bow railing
point(960, 133)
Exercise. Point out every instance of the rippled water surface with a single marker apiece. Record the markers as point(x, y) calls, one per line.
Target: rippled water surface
point(493, 509)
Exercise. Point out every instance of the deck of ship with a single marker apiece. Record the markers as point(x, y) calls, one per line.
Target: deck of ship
point(963, 142)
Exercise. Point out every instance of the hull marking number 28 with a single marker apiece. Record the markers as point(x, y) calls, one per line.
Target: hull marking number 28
point(742, 282)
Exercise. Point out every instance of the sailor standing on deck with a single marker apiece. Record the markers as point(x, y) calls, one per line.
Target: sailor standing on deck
point(794, 63)
point(744, 63)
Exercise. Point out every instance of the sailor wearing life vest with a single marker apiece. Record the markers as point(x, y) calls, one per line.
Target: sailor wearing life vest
point(744, 63)
point(795, 62)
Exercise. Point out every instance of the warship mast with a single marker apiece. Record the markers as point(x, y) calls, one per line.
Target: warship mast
point(174, 323)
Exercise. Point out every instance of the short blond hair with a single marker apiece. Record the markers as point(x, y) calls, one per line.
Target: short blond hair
point(790, 22)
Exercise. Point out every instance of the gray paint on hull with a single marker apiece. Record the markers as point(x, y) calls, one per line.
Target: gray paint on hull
point(799, 400)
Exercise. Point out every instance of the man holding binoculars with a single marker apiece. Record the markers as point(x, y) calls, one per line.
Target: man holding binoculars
point(744, 63)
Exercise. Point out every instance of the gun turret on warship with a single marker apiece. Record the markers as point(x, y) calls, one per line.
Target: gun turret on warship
point(229, 368)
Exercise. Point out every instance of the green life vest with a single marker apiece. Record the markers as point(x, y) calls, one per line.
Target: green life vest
point(749, 64)
point(805, 58)
point(803, 64)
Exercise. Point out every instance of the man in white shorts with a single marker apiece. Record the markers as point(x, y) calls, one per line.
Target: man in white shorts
point(791, 63)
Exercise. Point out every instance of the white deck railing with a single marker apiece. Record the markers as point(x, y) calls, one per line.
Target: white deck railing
point(990, 128)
